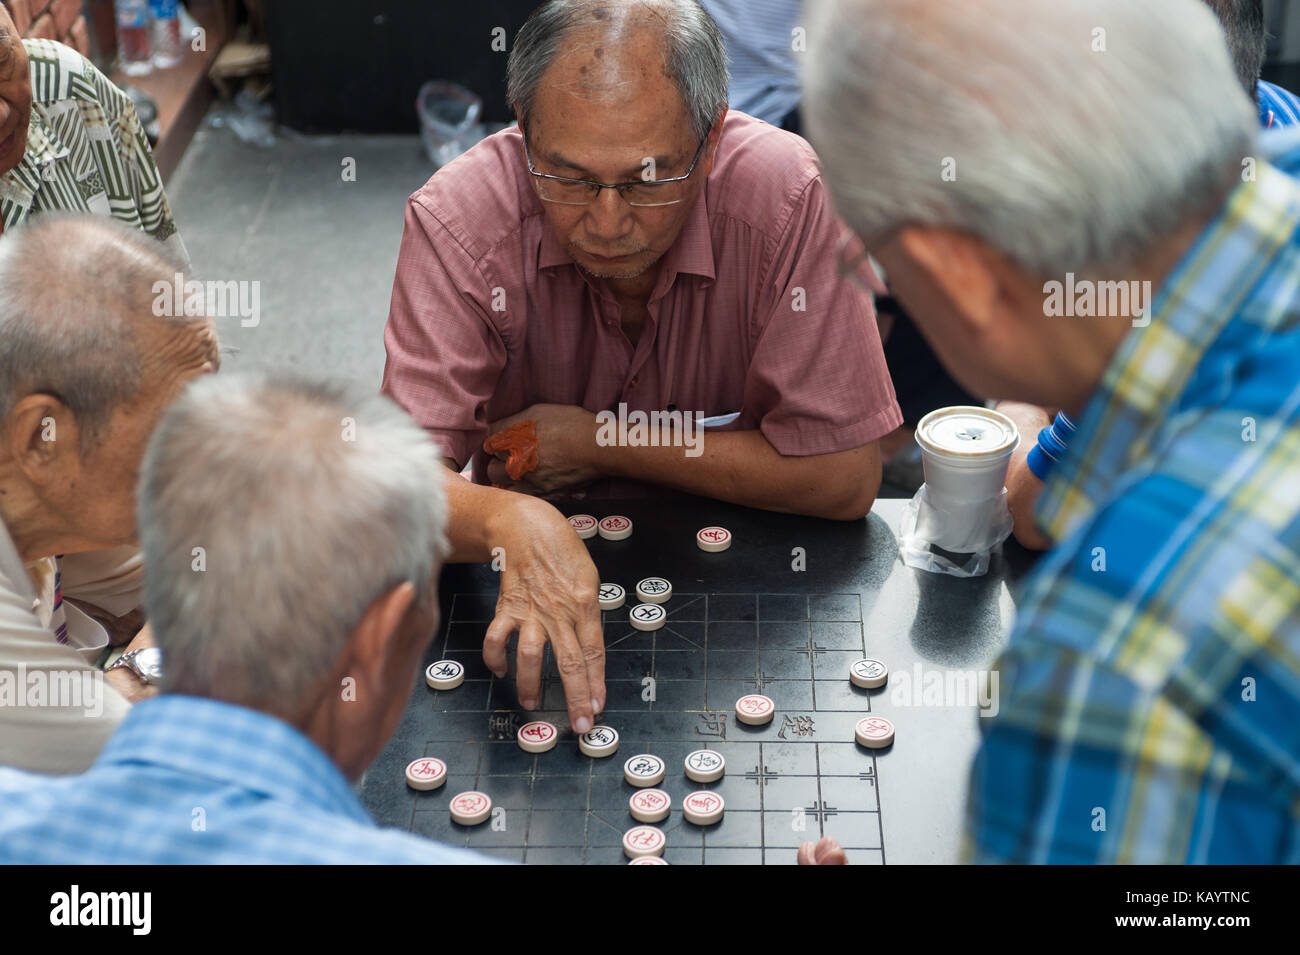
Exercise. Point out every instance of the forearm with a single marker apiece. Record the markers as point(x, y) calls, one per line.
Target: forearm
point(474, 512)
point(743, 468)
point(132, 688)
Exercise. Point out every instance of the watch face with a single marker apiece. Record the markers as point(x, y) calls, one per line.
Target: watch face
point(149, 662)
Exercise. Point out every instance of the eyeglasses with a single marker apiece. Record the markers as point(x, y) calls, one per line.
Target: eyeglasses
point(853, 262)
point(581, 192)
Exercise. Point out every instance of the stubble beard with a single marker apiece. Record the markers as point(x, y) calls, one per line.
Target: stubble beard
point(624, 273)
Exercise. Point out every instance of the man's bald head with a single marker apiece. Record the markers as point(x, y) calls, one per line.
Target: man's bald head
point(617, 41)
point(77, 318)
point(607, 59)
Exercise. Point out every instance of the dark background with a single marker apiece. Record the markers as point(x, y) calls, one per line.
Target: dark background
point(346, 65)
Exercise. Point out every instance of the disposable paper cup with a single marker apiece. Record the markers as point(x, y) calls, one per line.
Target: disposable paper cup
point(965, 451)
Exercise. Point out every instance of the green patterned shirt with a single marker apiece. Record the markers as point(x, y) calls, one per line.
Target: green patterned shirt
point(86, 151)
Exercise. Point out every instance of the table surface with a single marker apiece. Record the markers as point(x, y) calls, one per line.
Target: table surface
point(783, 612)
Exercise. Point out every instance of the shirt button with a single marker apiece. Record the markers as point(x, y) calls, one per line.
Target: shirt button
point(633, 381)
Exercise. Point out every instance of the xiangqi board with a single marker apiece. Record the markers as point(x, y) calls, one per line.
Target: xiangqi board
point(671, 692)
point(785, 612)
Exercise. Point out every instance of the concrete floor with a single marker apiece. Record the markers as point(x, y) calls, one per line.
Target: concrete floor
point(323, 249)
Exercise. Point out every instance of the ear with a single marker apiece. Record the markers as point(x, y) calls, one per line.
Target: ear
point(370, 651)
point(715, 137)
point(41, 436)
point(957, 268)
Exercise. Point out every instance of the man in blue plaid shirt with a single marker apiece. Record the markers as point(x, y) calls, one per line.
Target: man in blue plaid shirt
point(1150, 706)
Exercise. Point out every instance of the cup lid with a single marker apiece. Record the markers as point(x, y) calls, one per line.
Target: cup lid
point(967, 432)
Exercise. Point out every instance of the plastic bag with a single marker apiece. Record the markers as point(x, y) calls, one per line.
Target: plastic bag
point(449, 120)
point(941, 538)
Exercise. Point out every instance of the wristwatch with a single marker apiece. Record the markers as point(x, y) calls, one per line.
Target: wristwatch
point(146, 663)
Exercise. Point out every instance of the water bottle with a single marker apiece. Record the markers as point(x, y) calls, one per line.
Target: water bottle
point(133, 36)
point(166, 33)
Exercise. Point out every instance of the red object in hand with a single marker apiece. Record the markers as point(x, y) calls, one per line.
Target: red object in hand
point(521, 442)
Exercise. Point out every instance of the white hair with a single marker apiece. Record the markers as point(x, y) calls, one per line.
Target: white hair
point(271, 515)
point(1072, 135)
point(75, 302)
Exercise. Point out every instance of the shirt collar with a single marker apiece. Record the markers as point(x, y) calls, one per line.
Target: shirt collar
point(234, 745)
point(1153, 364)
point(20, 184)
point(551, 254)
point(693, 250)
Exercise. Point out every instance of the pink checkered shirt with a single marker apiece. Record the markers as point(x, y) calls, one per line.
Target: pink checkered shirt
point(722, 332)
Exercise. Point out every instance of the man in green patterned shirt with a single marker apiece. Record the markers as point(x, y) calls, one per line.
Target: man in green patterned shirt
point(70, 141)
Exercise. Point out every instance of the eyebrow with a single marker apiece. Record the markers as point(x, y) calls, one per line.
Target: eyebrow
point(632, 171)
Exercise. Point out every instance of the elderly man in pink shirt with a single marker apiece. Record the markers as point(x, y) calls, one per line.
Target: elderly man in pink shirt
point(631, 244)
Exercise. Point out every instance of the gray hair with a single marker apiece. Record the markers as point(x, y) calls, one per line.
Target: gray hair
point(75, 294)
point(1063, 158)
point(305, 501)
point(1243, 25)
point(695, 55)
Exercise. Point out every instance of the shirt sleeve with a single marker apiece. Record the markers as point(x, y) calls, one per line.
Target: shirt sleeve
point(818, 379)
point(143, 183)
point(445, 355)
point(56, 711)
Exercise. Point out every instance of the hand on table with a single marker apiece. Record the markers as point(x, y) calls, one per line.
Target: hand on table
point(548, 594)
point(826, 851)
point(566, 437)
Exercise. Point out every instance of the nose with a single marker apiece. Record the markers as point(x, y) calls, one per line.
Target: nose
point(609, 218)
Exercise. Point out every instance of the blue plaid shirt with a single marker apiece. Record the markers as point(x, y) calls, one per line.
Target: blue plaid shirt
point(1150, 693)
point(1277, 107)
point(187, 780)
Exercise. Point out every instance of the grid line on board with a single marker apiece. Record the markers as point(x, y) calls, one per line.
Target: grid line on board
point(658, 736)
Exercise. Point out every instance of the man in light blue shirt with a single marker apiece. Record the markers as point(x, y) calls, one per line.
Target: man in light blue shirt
point(292, 534)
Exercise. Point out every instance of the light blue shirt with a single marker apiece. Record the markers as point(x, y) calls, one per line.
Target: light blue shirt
point(186, 780)
point(760, 54)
